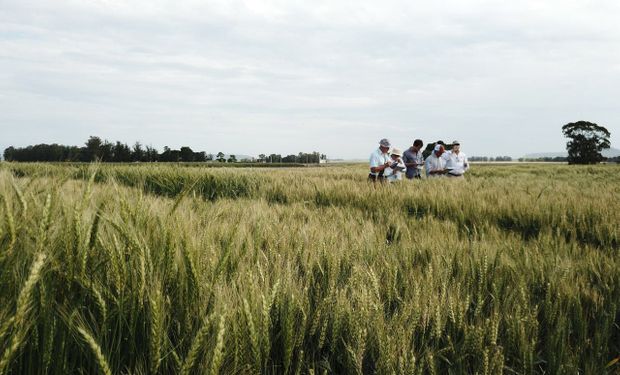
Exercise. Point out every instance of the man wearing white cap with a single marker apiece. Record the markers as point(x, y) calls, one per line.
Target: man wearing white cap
point(379, 160)
point(435, 165)
point(395, 171)
point(456, 161)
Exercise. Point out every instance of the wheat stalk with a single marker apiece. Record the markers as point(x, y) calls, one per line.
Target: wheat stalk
point(24, 302)
point(196, 347)
point(156, 329)
point(96, 349)
point(218, 350)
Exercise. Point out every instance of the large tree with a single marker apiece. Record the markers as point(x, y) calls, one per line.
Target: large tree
point(186, 154)
point(220, 157)
point(93, 151)
point(138, 153)
point(586, 141)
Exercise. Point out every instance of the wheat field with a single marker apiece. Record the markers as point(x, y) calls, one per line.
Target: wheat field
point(162, 269)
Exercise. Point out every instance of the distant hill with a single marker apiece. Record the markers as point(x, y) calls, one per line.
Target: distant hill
point(609, 153)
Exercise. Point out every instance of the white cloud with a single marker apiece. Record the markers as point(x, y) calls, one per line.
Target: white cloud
point(285, 76)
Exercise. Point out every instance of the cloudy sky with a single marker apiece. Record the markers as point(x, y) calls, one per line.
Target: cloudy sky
point(252, 77)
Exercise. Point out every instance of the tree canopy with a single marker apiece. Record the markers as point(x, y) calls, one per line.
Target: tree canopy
point(586, 141)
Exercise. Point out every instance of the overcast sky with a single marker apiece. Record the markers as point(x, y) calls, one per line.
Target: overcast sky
point(252, 77)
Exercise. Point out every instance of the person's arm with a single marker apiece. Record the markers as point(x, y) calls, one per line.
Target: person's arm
point(379, 168)
point(375, 166)
point(430, 170)
point(465, 163)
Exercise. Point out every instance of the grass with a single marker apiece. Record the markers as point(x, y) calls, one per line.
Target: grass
point(176, 269)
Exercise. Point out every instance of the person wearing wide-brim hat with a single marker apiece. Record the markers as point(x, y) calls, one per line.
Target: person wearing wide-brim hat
point(379, 160)
point(397, 166)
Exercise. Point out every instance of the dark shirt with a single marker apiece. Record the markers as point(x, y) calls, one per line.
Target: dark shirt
point(413, 157)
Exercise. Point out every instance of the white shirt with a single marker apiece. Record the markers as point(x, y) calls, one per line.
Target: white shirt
point(378, 158)
point(433, 163)
point(457, 163)
point(395, 173)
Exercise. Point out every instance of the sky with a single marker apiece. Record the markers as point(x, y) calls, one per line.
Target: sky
point(251, 77)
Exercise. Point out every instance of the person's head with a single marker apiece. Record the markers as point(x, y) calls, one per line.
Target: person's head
point(417, 145)
point(384, 145)
point(438, 150)
point(440, 143)
point(456, 147)
point(396, 154)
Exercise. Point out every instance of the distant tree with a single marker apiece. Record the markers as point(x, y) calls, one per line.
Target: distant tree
point(121, 152)
point(9, 153)
point(262, 158)
point(175, 155)
point(200, 156)
point(290, 159)
point(232, 159)
point(138, 153)
point(274, 158)
point(187, 154)
point(170, 155)
point(210, 157)
point(163, 157)
point(220, 157)
point(93, 150)
point(586, 141)
point(151, 154)
point(106, 151)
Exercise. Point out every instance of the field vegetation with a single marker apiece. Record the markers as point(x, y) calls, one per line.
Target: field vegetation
point(147, 269)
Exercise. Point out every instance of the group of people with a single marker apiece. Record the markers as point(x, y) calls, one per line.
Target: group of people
point(389, 164)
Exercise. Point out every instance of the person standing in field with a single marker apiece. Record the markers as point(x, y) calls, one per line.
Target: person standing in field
point(379, 161)
point(395, 170)
point(456, 161)
point(435, 165)
point(413, 159)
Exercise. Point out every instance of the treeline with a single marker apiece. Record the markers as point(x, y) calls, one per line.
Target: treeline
point(96, 149)
point(101, 150)
point(556, 159)
point(489, 158)
point(302, 157)
point(564, 159)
